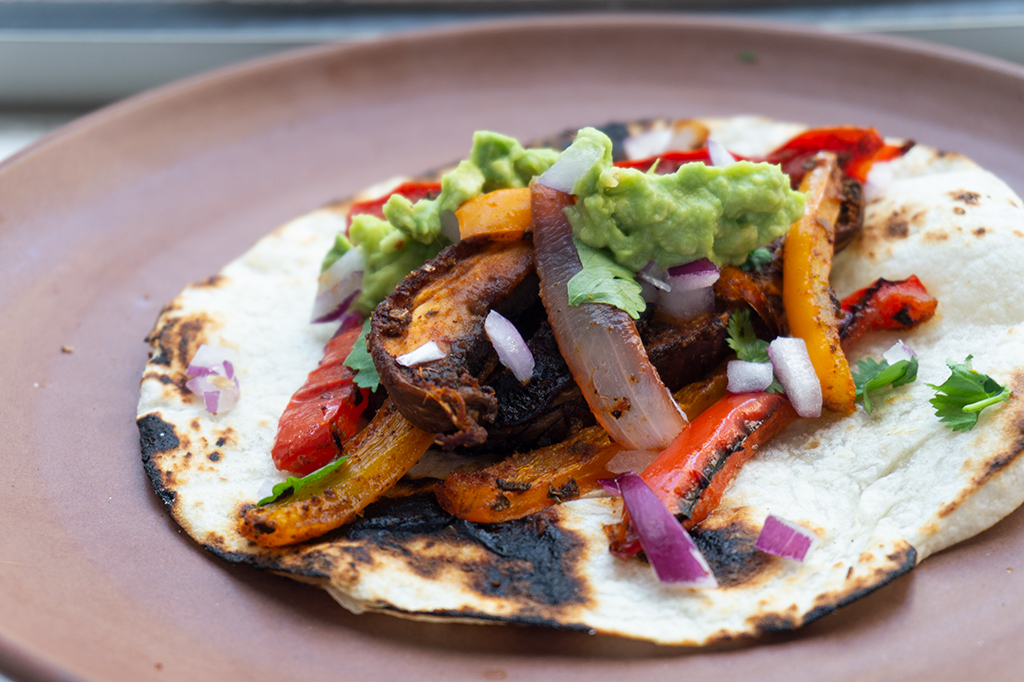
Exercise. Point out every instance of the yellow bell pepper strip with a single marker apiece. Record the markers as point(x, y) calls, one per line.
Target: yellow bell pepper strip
point(501, 214)
point(378, 456)
point(806, 295)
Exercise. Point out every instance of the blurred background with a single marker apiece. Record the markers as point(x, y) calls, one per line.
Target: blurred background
point(60, 59)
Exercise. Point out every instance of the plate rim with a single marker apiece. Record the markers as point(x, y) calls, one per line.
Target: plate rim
point(20, 660)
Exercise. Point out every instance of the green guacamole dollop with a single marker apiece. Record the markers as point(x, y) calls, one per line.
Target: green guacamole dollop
point(410, 233)
point(718, 213)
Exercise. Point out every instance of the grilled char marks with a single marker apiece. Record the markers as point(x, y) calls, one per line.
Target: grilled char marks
point(446, 301)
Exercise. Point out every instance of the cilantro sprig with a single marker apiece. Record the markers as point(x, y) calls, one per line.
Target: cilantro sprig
point(294, 484)
point(359, 359)
point(603, 280)
point(872, 375)
point(961, 398)
point(742, 339)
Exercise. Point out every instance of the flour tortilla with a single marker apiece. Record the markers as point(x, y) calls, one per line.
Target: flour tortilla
point(881, 491)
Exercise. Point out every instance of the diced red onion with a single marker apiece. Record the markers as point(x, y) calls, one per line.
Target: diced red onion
point(694, 275)
point(631, 460)
point(899, 351)
point(687, 304)
point(213, 378)
point(718, 154)
point(691, 293)
point(796, 374)
point(338, 285)
point(653, 280)
point(509, 345)
point(748, 377)
point(426, 353)
point(656, 276)
point(672, 553)
point(647, 144)
point(572, 165)
point(784, 538)
point(599, 342)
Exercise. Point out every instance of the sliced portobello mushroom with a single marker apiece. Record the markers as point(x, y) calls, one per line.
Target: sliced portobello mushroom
point(446, 302)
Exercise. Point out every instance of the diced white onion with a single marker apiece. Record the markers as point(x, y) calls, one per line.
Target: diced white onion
point(450, 226)
point(213, 378)
point(879, 178)
point(572, 165)
point(899, 351)
point(719, 155)
point(338, 285)
point(509, 345)
point(785, 539)
point(426, 353)
point(796, 374)
point(748, 377)
point(646, 144)
point(631, 460)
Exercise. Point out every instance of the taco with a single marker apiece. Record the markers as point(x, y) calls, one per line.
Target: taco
point(502, 501)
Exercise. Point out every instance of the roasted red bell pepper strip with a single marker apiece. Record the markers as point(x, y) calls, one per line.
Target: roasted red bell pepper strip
point(885, 305)
point(669, 162)
point(323, 414)
point(413, 191)
point(691, 475)
point(857, 149)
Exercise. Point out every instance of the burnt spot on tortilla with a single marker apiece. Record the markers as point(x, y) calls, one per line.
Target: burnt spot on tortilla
point(962, 195)
point(157, 436)
point(959, 210)
point(530, 562)
point(772, 624)
point(897, 562)
point(979, 231)
point(174, 341)
point(936, 235)
point(727, 543)
point(897, 228)
point(210, 282)
point(214, 456)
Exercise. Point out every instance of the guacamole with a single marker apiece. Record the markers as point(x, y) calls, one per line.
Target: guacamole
point(411, 234)
point(718, 213)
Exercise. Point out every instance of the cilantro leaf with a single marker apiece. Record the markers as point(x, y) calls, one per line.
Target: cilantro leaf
point(359, 359)
point(742, 339)
point(748, 347)
point(960, 399)
point(872, 375)
point(603, 280)
point(757, 259)
point(294, 484)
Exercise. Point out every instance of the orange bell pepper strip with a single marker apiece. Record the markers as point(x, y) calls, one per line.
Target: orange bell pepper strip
point(501, 214)
point(806, 296)
point(525, 483)
point(378, 456)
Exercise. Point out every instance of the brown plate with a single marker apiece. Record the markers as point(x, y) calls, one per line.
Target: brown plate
point(107, 219)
